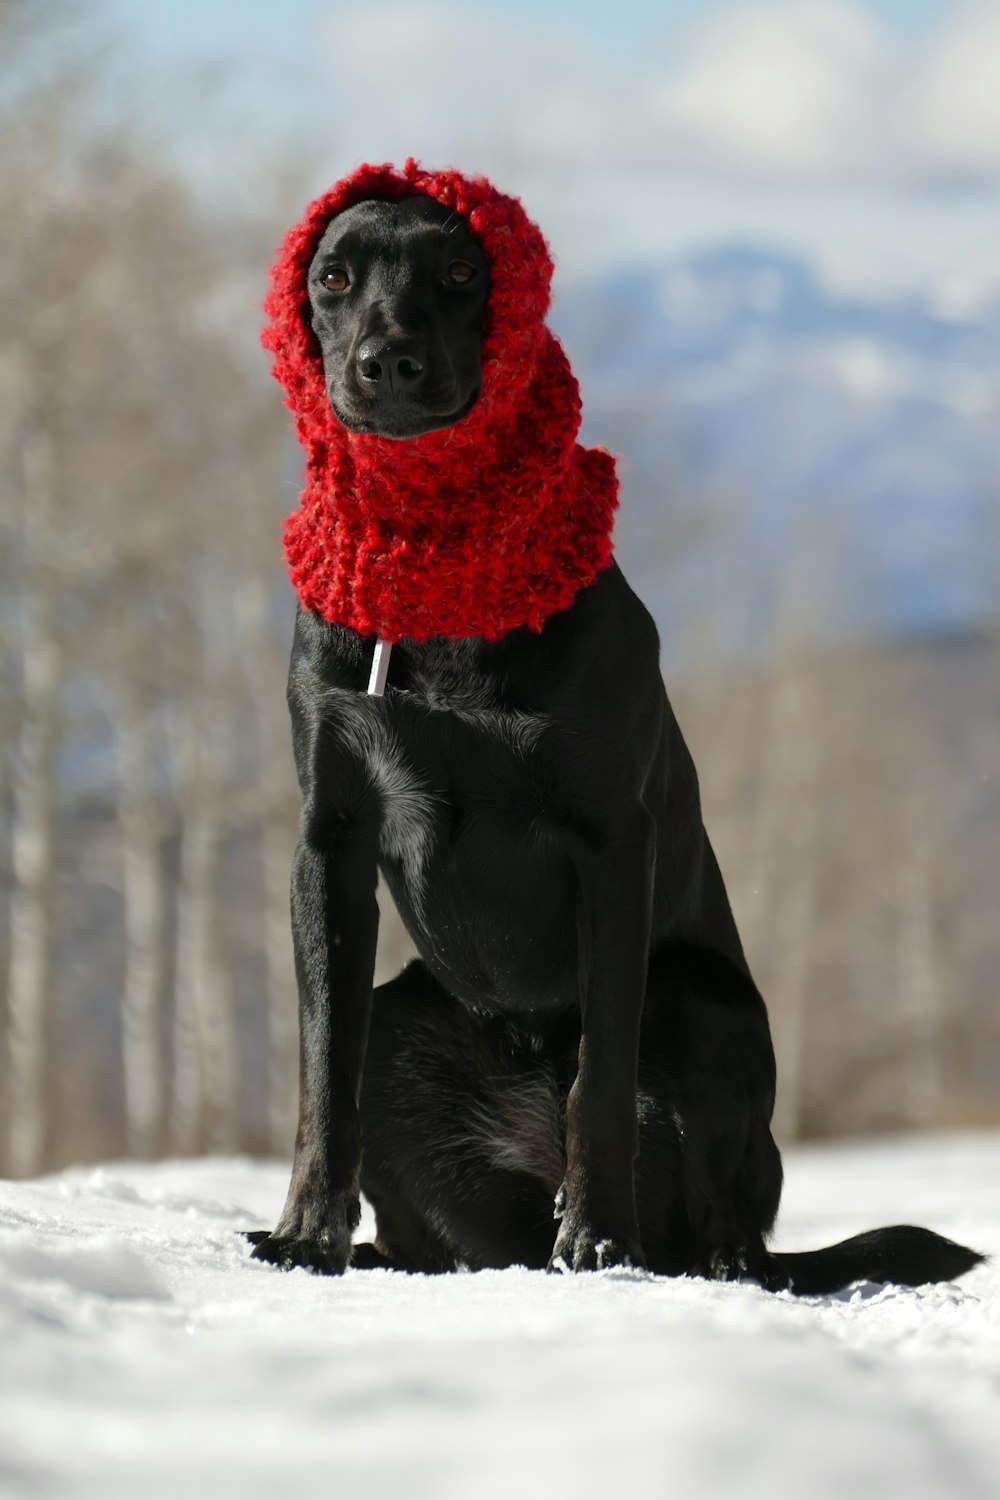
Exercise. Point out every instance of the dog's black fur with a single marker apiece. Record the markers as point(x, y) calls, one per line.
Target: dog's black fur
point(581, 1033)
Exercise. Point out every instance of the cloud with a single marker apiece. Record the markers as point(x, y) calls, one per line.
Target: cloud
point(953, 104)
point(433, 80)
point(787, 88)
point(804, 90)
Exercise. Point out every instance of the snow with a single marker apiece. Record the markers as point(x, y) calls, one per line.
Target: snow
point(142, 1354)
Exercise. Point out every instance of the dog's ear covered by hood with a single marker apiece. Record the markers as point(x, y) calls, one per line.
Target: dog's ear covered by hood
point(478, 528)
point(520, 279)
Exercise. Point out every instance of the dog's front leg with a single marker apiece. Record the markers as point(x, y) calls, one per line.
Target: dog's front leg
point(335, 926)
point(597, 1200)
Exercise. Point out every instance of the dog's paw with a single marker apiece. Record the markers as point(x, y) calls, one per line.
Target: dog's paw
point(727, 1263)
point(738, 1263)
point(366, 1257)
point(582, 1250)
point(314, 1239)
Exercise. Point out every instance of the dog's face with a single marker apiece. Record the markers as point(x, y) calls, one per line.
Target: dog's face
point(398, 294)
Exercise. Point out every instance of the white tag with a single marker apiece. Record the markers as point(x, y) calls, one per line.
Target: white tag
point(380, 668)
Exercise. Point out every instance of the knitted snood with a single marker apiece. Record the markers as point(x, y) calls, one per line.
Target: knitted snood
point(493, 523)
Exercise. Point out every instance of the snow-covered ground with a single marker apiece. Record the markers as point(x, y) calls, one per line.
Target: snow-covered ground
point(142, 1354)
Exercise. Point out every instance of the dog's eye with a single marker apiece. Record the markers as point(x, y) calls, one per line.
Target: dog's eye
point(459, 272)
point(336, 280)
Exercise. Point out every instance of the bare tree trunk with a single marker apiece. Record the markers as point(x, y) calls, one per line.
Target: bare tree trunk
point(276, 864)
point(187, 1082)
point(274, 850)
point(31, 841)
point(916, 957)
point(205, 1073)
point(282, 1026)
point(783, 845)
point(143, 892)
point(784, 865)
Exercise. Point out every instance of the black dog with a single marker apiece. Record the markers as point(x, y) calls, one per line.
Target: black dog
point(582, 1031)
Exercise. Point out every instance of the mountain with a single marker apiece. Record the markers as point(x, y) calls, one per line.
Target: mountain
point(788, 451)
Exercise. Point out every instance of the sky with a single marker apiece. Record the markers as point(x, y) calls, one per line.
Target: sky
point(187, 28)
point(863, 134)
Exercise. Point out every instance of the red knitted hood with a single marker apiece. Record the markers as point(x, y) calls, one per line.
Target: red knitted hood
point(492, 523)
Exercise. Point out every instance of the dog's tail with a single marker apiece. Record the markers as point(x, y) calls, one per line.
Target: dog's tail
point(901, 1254)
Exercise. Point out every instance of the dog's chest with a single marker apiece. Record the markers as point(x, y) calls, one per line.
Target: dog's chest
point(476, 829)
point(442, 753)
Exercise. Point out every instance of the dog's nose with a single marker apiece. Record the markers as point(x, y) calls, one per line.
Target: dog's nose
point(391, 365)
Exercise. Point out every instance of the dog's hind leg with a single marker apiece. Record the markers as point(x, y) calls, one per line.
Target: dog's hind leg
point(403, 1240)
point(461, 1125)
point(708, 1178)
point(464, 1138)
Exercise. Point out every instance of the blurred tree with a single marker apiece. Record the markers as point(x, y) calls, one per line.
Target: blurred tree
point(149, 799)
point(142, 447)
point(34, 430)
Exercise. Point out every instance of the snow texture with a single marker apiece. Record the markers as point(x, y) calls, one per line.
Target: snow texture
point(143, 1354)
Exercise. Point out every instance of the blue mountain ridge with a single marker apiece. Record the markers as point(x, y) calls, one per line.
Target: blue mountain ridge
point(787, 450)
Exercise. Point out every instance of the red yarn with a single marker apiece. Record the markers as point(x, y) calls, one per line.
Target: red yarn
point(486, 525)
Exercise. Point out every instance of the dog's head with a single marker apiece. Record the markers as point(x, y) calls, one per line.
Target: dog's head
point(398, 292)
point(408, 304)
point(445, 491)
